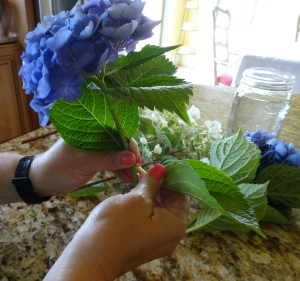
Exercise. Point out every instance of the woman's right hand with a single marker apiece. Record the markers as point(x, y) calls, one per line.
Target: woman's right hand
point(125, 231)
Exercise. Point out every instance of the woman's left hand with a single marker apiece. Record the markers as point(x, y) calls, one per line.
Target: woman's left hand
point(63, 169)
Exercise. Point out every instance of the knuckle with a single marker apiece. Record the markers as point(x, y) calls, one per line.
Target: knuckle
point(141, 198)
point(112, 161)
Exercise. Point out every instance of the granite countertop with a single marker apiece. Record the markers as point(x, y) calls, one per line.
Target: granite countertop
point(32, 237)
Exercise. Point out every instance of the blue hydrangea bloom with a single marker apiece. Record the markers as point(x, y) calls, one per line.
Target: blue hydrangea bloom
point(66, 47)
point(273, 151)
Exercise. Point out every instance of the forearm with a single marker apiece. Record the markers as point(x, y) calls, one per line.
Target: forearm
point(8, 164)
point(75, 265)
point(94, 253)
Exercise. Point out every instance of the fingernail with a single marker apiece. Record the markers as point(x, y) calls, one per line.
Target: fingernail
point(157, 172)
point(128, 159)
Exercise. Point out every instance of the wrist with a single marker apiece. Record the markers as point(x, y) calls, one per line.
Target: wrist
point(23, 184)
point(37, 178)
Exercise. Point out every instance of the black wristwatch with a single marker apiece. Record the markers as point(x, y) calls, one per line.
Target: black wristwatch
point(23, 184)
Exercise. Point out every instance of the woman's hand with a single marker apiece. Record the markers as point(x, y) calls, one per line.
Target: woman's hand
point(125, 231)
point(63, 169)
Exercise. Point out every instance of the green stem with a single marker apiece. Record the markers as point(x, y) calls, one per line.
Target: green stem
point(190, 230)
point(119, 128)
point(135, 175)
point(123, 138)
point(140, 169)
point(118, 125)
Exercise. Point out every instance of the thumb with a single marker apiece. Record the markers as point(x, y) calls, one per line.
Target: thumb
point(151, 182)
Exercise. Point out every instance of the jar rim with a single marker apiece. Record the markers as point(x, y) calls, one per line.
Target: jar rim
point(268, 78)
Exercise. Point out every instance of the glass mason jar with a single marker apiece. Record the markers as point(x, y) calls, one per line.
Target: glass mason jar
point(261, 101)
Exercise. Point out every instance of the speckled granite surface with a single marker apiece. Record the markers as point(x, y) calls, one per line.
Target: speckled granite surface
point(32, 237)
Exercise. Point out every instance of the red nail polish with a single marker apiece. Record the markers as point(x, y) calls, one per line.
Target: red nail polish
point(128, 159)
point(157, 172)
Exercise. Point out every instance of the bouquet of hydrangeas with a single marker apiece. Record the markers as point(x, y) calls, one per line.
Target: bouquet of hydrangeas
point(99, 93)
point(66, 48)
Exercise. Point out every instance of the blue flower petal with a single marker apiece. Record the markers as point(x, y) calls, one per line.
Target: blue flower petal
point(43, 110)
point(282, 148)
point(65, 86)
point(119, 33)
point(117, 10)
point(134, 10)
point(293, 160)
point(61, 38)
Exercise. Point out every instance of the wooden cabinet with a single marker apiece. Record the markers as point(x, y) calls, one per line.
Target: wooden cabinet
point(16, 117)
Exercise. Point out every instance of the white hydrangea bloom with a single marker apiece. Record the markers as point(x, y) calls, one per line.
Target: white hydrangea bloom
point(192, 141)
point(214, 128)
point(143, 140)
point(146, 154)
point(155, 116)
point(194, 112)
point(194, 115)
point(205, 160)
point(157, 149)
point(146, 113)
point(164, 122)
point(181, 122)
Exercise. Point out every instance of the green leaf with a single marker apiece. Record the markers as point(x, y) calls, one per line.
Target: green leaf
point(183, 179)
point(273, 215)
point(256, 195)
point(215, 180)
point(221, 186)
point(284, 186)
point(159, 80)
point(170, 98)
point(212, 220)
point(88, 124)
point(146, 127)
point(158, 67)
point(88, 191)
point(134, 59)
point(227, 205)
point(239, 215)
point(237, 157)
point(157, 72)
point(146, 79)
point(167, 159)
point(174, 138)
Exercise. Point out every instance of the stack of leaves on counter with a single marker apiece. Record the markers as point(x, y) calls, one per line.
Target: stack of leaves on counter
point(235, 196)
point(249, 177)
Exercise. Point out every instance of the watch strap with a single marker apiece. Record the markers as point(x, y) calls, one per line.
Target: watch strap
point(23, 184)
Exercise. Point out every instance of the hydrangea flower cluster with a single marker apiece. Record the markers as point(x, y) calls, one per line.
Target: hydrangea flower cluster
point(68, 46)
point(273, 151)
point(195, 140)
